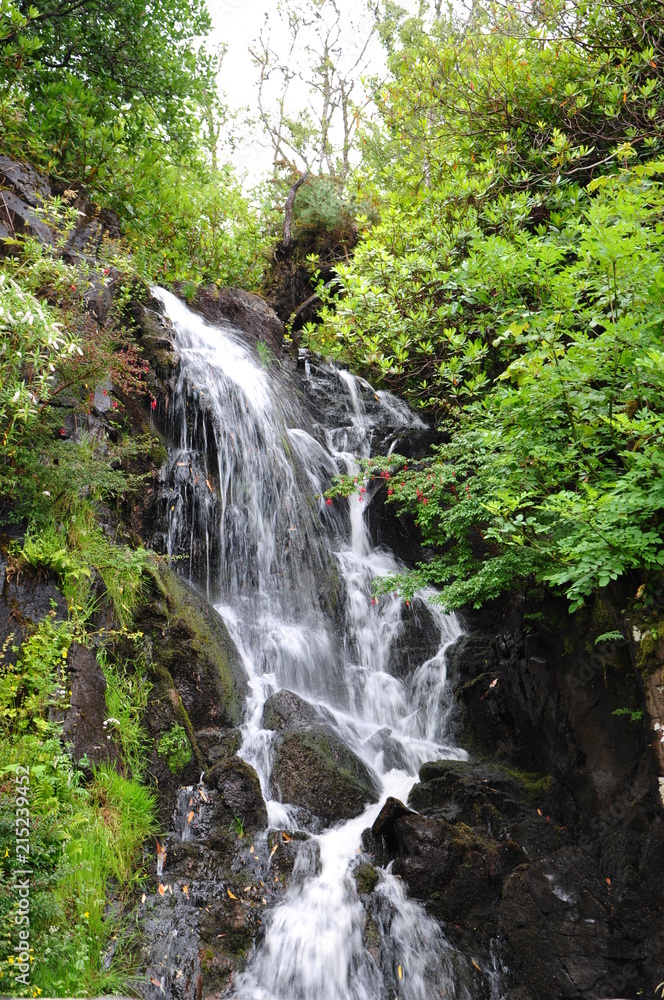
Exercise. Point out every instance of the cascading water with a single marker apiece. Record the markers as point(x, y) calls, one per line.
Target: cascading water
point(292, 578)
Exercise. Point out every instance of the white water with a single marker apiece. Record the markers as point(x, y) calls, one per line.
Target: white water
point(281, 552)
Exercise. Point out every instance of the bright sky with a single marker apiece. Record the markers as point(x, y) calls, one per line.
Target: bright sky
point(237, 23)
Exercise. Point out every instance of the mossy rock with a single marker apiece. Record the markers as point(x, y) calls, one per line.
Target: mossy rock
point(317, 771)
point(190, 641)
point(240, 790)
point(366, 878)
point(475, 793)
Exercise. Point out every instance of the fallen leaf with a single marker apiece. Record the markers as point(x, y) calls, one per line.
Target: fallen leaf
point(400, 973)
point(231, 894)
point(162, 889)
point(251, 849)
point(185, 889)
point(209, 485)
point(203, 794)
point(539, 812)
point(190, 816)
point(608, 881)
point(248, 889)
point(156, 982)
point(286, 838)
point(273, 849)
point(264, 901)
point(493, 683)
point(143, 897)
point(475, 964)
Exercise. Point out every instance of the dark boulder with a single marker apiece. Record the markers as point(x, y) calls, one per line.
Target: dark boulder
point(218, 744)
point(394, 755)
point(286, 710)
point(240, 792)
point(316, 770)
point(417, 640)
point(557, 916)
point(250, 313)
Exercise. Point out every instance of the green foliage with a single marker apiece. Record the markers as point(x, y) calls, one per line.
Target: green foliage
point(633, 714)
point(127, 690)
point(513, 286)
point(31, 345)
point(612, 636)
point(555, 467)
point(175, 748)
point(36, 680)
point(81, 836)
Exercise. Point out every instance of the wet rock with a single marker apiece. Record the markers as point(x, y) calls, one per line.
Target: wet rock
point(83, 725)
point(191, 642)
point(27, 595)
point(383, 827)
point(417, 640)
point(240, 791)
point(316, 770)
point(486, 794)
point(366, 878)
point(218, 744)
point(249, 312)
point(394, 755)
point(22, 190)
point(556, 915)
point(396, 531)
point(286, 710)
point(198, 681)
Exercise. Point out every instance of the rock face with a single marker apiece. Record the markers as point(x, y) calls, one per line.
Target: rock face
point(418, 639)
point(197, 675)
point(286, 710)
point(84, 720)
point(249, 312)
point(23, 191)
point(312, 767)
point(553, 848)
point(240, 791)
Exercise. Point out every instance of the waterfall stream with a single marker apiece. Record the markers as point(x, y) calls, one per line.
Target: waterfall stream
point(292, 578)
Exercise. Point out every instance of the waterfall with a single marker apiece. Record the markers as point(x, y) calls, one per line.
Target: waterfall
point(292, 578)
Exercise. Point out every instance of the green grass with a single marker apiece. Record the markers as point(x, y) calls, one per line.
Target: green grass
point(127, 690)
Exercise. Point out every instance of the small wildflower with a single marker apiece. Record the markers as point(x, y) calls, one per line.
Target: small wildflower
point(329, 501)
point(153, 404)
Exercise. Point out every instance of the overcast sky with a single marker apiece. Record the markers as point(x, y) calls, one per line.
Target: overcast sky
point(237, 23)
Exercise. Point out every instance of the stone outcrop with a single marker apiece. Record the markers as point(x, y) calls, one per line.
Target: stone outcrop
point(248, 312)
point(548, 845)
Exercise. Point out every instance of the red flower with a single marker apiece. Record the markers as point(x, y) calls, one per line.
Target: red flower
point(153, 404)
point(328, 501)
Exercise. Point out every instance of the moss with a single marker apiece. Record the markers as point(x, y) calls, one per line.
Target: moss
point(366, 878)
point(165, 709)
point(190, 640)
point(601, 620)
point(536, 785)
point(650, 650)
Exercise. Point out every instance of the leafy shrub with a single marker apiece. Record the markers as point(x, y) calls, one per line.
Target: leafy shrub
point(175, 748)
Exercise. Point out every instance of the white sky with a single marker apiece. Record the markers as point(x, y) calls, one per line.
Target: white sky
point(237, 23)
